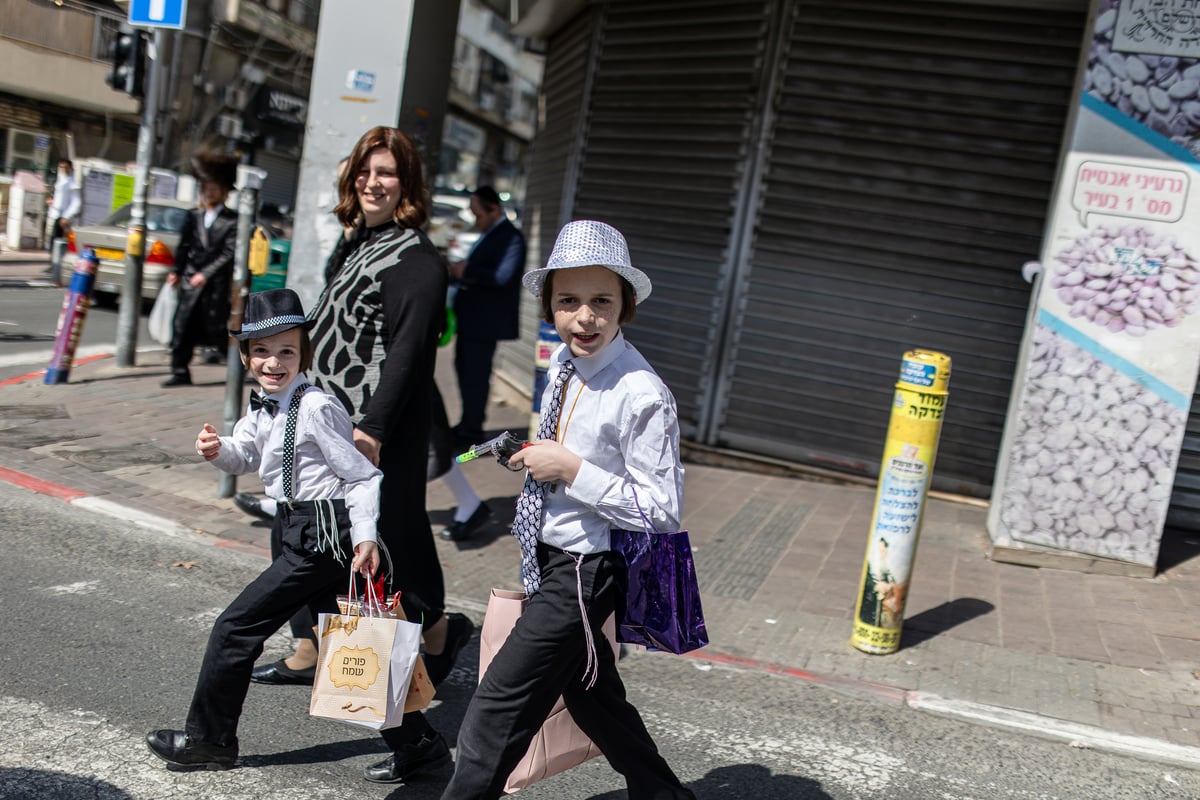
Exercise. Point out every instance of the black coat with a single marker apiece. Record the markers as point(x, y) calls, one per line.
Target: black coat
point(209, 251)
point(487, 306)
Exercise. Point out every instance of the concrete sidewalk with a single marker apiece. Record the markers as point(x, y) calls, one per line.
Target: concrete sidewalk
point(1101, 661)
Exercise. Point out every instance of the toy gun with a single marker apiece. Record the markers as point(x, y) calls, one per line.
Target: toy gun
point(502, 447)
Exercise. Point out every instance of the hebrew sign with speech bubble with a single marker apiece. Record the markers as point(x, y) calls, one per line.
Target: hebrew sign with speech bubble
point(1109, 360)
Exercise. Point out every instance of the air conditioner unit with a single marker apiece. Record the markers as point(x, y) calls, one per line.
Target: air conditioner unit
point(229, 126)
point(27, 150)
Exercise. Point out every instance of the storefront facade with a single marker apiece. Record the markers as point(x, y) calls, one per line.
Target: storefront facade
point(816, 188)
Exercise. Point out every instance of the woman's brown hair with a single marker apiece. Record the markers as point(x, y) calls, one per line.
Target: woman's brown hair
point(413, 209)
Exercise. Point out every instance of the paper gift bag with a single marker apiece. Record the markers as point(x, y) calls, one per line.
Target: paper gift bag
point(420, 688)
point(660, 608)
point(364, 667)
point(559, 744)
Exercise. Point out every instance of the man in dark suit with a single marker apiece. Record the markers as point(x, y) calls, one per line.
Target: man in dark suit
point(204, 267)
point(487, 306)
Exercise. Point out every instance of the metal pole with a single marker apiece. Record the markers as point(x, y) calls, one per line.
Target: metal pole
point(250, 180)
point(131, 289)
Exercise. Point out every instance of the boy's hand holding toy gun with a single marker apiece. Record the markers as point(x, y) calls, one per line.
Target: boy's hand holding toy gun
point(502, 447)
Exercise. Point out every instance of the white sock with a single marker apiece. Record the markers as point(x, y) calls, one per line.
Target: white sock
point(268, 505)
point(464, 495)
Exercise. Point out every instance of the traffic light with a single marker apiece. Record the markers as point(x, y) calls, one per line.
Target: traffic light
point(128, 53)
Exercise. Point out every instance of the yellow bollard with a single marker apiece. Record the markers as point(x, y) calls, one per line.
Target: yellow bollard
point(908, 456)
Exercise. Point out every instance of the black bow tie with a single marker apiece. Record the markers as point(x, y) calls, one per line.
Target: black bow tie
point(258, 401)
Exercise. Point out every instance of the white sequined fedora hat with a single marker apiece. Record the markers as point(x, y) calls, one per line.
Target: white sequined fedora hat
point(589, 243)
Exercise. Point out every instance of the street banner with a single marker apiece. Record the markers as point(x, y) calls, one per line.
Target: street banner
point(1110, 355)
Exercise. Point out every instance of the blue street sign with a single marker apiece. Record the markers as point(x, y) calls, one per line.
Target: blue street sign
point(158, 13)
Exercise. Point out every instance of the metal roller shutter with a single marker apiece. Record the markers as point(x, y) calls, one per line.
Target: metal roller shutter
point(283, 174)
point(1184, 511)
point(553, 158)
point(670, 115)
point(912, 155)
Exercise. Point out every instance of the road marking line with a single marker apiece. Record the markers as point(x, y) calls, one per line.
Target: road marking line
point(1074, 733)
point(127, 514)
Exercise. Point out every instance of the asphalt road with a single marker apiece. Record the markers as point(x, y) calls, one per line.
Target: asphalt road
point(106, 624)
point(29, 322)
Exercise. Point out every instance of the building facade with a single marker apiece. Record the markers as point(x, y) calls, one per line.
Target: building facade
point(235, 78)
point(817, 188)
point(492, 105)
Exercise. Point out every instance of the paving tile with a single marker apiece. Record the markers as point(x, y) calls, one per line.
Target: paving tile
point(1175, 649)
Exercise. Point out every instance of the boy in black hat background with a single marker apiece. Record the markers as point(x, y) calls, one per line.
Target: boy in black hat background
point(204, 265)
point(300, 440)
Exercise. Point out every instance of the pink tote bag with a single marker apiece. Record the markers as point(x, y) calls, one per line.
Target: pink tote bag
point(559, 745)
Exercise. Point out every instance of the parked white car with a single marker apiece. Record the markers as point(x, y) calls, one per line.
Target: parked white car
point(164, 223)
point(449, 216)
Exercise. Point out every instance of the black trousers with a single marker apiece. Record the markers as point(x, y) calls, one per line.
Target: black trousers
point(303, 621)
point(184, 341)
point(405, 530)
point(300, 576)
point(473, 366)
point(544, 657)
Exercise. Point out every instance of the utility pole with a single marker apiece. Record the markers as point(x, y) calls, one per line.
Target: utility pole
point(250, 181)
point(131, 290)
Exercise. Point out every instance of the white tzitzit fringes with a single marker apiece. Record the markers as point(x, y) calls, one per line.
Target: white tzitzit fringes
point(593, 660)
point(328, 538)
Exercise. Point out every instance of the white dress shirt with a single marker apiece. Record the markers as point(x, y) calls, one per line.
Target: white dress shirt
point(327, 465)
point(619, 417)
point(66, 201)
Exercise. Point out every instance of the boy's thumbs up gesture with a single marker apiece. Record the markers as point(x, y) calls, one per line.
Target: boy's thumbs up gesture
point(208, 443)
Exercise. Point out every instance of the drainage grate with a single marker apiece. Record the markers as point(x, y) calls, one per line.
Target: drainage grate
point(103, 459)
point(33, 413)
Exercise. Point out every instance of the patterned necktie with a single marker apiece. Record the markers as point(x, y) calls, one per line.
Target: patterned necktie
point(289, 441)
point(261, 401)
point(529, 504)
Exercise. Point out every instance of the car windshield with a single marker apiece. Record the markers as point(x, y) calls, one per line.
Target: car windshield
point(158, 218)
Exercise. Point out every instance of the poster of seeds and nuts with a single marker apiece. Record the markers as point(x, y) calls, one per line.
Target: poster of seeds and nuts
point(1110, 357)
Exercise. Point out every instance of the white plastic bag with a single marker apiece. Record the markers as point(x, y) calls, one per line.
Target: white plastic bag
point(162, 315)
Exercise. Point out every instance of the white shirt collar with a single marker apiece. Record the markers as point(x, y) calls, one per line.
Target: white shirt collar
point(284, 396)
point(589, 366)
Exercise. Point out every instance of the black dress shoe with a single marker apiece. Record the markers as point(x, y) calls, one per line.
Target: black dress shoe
point(458, 633)
point(251, 505)
point(461, 531)
point(428, 752)
point(279, 673)
point(178, 379)
point(176, 747)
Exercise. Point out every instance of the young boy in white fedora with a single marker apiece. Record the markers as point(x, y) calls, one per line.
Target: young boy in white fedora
point(300, 440)
point(608, 439)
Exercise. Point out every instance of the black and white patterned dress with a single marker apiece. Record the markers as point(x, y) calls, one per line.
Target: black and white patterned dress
point(375, 348)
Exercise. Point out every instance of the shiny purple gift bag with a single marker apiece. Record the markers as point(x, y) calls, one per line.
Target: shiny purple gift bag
point(660, 608)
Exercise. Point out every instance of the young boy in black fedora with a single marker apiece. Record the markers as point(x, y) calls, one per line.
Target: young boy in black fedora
point(300, 440)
